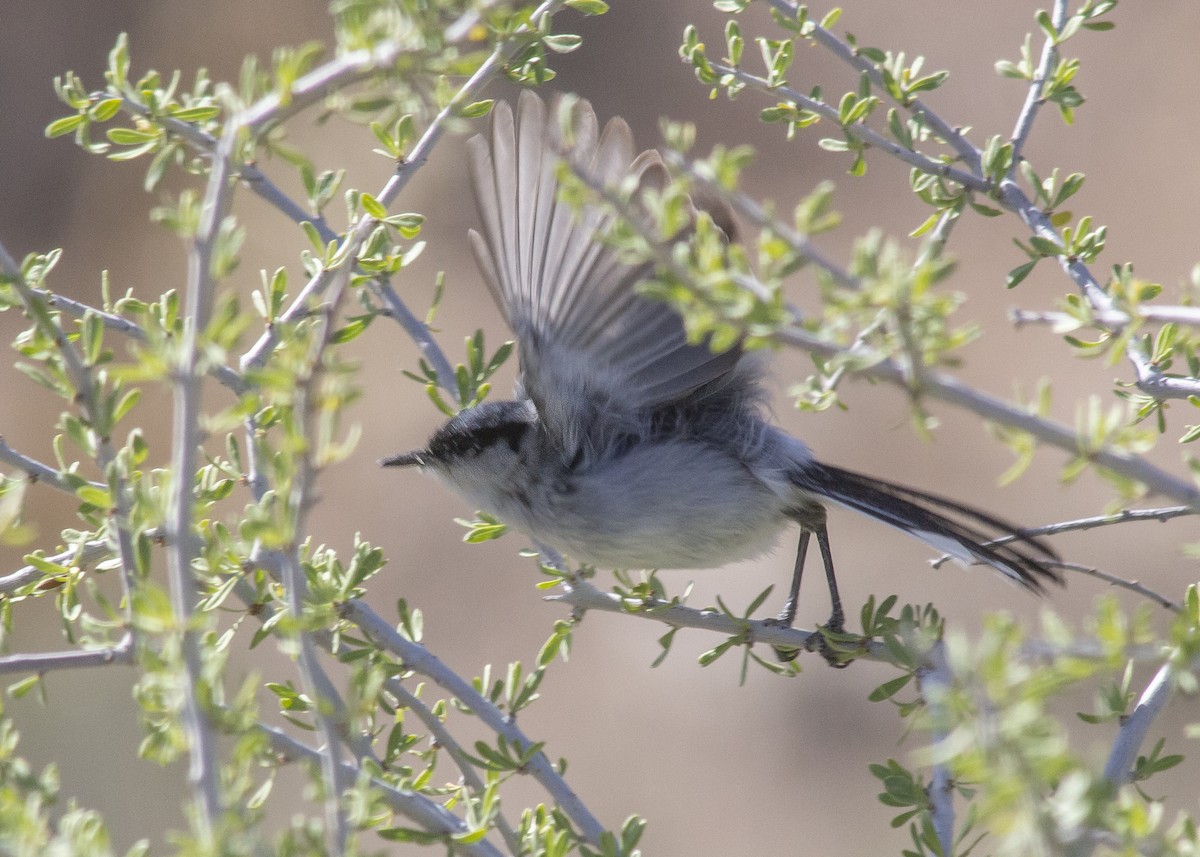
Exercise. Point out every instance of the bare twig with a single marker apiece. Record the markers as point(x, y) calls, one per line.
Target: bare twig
point(1119, 582)
point(1122, 517)
point(44, 662)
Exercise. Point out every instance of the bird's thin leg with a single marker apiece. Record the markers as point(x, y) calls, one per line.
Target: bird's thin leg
point(837, 619)
point(788, 616)
point(808, 518)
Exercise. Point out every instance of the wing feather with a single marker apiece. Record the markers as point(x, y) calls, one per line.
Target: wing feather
point(596, 355)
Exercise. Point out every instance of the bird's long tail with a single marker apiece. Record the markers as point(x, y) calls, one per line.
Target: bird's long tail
point(967, 535)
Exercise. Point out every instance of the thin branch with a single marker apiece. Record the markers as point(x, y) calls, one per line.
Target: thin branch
point(83, 554)
point(416, 657)
point(935, 246)
point(395, 687)
point(330, 710)
point(186, 438)
point(1119, 582)
point(222, 373)
point(850, 55)
point(332, 717)
point(81, 379)
point(862, 132)
point(37, 471)
point(121, 653)
point(1064, 322)
point(419, 333)
point(1148, 378)
point(1151, 380)
point(262, 186)
point(1092, 523)
point(1119, 768)
point(258, 181)
point(446, 740)
point(581, 595)
point(750, 209)
point(1123, 517)
point(1188, 315)
point(318, 84)
point(415, 807)
point(1033, 98)
point(936, 684)
point(391, 190)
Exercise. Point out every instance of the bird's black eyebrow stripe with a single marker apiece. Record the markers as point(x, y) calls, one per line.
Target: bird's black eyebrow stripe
point(458, 440)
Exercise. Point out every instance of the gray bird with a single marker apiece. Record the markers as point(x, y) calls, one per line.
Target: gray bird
point(625, 445)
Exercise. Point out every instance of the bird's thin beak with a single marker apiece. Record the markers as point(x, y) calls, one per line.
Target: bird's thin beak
point(405, 459)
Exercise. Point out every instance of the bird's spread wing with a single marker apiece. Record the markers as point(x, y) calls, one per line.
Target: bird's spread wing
point(596, 356)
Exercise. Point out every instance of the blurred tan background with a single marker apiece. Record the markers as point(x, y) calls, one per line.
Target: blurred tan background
point(780, 764)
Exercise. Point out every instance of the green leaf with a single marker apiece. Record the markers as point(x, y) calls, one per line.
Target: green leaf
point(65, 125)
point(351, 330)
point(588, 7)
point(889, 688)
point(562, 43)
point(45, 566)
point(1045, 246)
point(135, 152)
point(373, 207)
point(21, 688)
point(196, 114)
point(469, 837)
point(1017, 274)
point(118, 63)
point(129, 137)
point(94, 495)
point(478, 108)
point(1047, 25)
point(105, 109)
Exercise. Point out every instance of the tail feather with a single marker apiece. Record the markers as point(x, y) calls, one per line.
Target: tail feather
point(964, 533)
